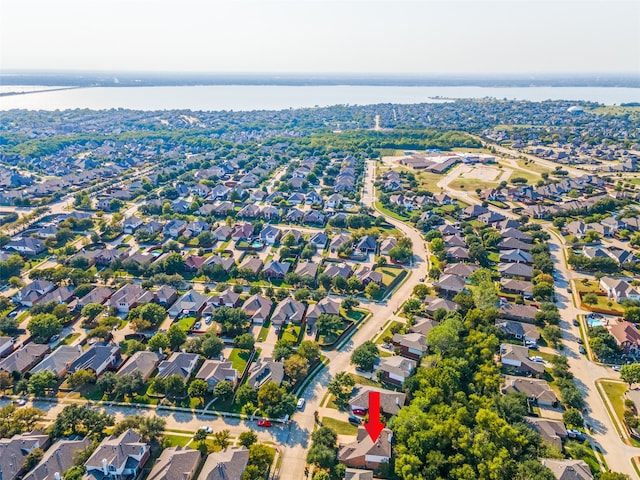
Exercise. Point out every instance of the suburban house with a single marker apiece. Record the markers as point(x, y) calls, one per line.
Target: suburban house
point(423, 325)
point(24, 359)
point(274, 269)
point(14, 450)
point(229, 464)
point(265, 370)
point(30, 294)
point(618, 289)
point(525, 332)
point(59, 360)
point(517, 356)
point(411, 345)
point(536, 390)
point(98, 359)
point(396, 369)
point(258, 308)
point(364, 452)
point(174, 228)
point(59, 458)
point(515, 270)
point(98, 295)
point(176, 463)
point(215, 371)
point(307, 269)
point(131, 224)
point(519, 313)
point(518, 287)
point(270, 234)
point(144, 362)
point(190, 303)
point(551, 431)
point(126, 297)
point(390, 402)
point(179, 363)
point(117, 458)
point(450, 284)
point(327, 305)
point(26, 245)
point(319, 240)
point(289, 310)
point(568, 469)
point(626, 335)
point(387, 244)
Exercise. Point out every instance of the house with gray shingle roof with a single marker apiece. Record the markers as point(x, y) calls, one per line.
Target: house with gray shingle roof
point(176, 463)
point(97, 358)
point(57, 459)
point(228, 464)
point(14, 450)
point(215, 371)
point(59, 360)
point(265, 370)
point(117, 458)
point(24, 358)
point(143, 361)
point(179, 363)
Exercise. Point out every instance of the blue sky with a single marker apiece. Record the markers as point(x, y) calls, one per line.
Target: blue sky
point(421, 36)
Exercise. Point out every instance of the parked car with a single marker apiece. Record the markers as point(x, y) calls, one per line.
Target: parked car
point(264, 423)
point(354, 420)
point(582, 350)
point(206, 428)
point(616, 368)
point(578, 435)
point(55, 338)
point(576, 323)
point(300, 404)
point(359, 411)
point(197, 326)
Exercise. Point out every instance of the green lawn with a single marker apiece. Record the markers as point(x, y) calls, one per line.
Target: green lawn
point(264, 331)
point(291, 333)
point(587, 286)
point(615, 392)
point(389, 213)
point(341, 428)
point(355, 314)
point(239, 359)
point(69, 338)
point(176, 440)
point(387, 331)
point(186, 323)
point(364, 381)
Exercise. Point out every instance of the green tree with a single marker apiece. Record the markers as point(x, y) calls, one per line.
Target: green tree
point(41, 382)
point(309, 350)
point(43, 326)
point(552, 335)
point(223, 389)
point(296, 367)
point(80, 419)
point(590, 299)
point(341, 387)
point(32, 459)
point(329, 325)
point(573, 418)
point(274, 400)
point(176, 336)
point(247, 438)
point(244, 341)
point(630, 373)
point(221, 439)
point(282, 349)
point(365, 355)
point(175, 386)
point(160, 341)
point(81, 378)
point(372, 290)
point(198, 389)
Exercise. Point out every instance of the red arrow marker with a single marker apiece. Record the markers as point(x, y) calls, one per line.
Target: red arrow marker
point(374, 426)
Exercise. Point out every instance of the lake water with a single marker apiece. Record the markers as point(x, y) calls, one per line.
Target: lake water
point(276, 97)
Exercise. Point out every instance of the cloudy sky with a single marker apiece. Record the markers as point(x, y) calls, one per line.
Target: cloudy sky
point(338, 36)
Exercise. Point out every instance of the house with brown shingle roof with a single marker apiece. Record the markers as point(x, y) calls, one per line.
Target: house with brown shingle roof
point(536, 390)
point(117, 458)
point(57, 459)
point(228, 464)
point(626, 335)
point(364, 452)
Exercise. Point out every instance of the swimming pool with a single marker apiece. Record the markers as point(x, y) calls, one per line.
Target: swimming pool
point(595, 322)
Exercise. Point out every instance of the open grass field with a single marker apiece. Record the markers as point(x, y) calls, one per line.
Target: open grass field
point(532, 166)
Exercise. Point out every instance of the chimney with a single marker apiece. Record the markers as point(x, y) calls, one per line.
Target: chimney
point(105, 467)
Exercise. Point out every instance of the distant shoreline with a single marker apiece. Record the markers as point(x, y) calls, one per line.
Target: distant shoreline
point(10, 94)
point(128, 79)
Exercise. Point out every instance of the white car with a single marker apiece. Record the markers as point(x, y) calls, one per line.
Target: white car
point(300, 404)
point(206, 428)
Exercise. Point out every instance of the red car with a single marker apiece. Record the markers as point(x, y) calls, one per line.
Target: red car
point(359, 411)
point(264, 423)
